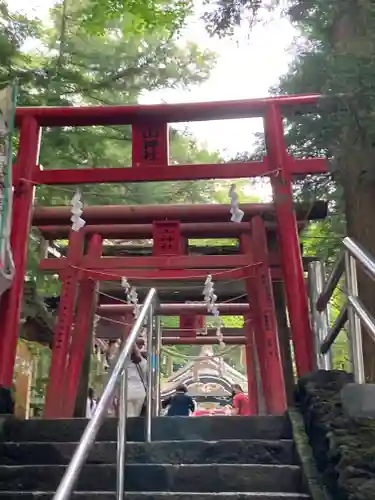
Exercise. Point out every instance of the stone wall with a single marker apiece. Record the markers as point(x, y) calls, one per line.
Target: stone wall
point(344, 449)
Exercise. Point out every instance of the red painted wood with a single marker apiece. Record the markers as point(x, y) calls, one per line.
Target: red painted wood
point(188, 274)
point(149, 144)
point(165, 172)
point(10, 304)
point(167, 238)
point(290, 250)
point(252, 386)
point(266, 334)
point(147, 214)
point(84, 321)
point(144, 231)
point(62, 332)
point(163, 263)
point(166, 113)
point(192, 322)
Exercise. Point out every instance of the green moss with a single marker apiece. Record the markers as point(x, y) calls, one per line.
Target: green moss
point(312, 478)
point(344, 448)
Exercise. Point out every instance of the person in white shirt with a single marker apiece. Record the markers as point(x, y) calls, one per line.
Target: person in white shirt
point(136, 366)
point(137, 378)
point(91, 403)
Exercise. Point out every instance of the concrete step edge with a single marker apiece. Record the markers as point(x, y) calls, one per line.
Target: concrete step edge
point(192, 441)
point(164, 494)
point(169, 465)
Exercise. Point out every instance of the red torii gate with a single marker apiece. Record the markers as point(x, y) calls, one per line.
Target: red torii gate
point(75, 267)
point(150, 163)
point(168, 258)
point(145, 231)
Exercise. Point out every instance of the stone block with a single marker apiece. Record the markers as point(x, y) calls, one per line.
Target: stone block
point(358, 400)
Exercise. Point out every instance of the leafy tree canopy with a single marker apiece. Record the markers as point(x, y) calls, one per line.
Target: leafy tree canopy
point(99, 52)
point(223, 17)
point(136, 16)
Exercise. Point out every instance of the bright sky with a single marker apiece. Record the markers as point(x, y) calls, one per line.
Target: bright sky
point(246, 68)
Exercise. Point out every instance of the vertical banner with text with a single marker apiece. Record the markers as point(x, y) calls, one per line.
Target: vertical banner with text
point(150, 145)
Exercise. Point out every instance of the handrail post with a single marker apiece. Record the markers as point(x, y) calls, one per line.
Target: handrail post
point(150, 378)
point(70, 476)
point(355, 330)
point(121, 436)
point(158, 334)
point(319, 320)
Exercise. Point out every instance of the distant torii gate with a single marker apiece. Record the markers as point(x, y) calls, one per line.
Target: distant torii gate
point(150, 163)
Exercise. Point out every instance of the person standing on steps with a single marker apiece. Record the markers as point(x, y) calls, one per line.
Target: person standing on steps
point(180, 404)
point(136, 366)
point(91, 403)
point(240, 404)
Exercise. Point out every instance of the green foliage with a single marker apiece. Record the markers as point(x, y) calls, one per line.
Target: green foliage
point(223, 16)
point(77, 62)
point(212, 242)
point(170, 321)
point(112, 69)
point(15, 31)
point(233, 321)
point(71, 66)
point(340, 353)
point(336, 59)
point(136, 16)
point(323, 239)
point(107, 53)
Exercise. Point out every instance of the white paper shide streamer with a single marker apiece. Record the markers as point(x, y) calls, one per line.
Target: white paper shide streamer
point(77, 221)
point(210, 299)
point(237, 213)
point(131, 296)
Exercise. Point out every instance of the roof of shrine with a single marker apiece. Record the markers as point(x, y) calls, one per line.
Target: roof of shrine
point(199, 371)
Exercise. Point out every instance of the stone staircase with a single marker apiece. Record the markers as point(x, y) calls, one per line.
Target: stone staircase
point(190, 458)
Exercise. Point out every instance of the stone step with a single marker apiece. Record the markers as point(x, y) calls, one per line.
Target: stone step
point(164, 429)
point(159, 452)
point(150, 477)
point(104, 495)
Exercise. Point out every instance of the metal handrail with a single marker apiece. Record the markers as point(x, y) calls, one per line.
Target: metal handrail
point(319, 319)
point(334, 331)
point(354, 311)
point(71, 474)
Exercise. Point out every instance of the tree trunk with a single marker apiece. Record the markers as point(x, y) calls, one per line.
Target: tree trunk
point(359, 194)
point(352, 40)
